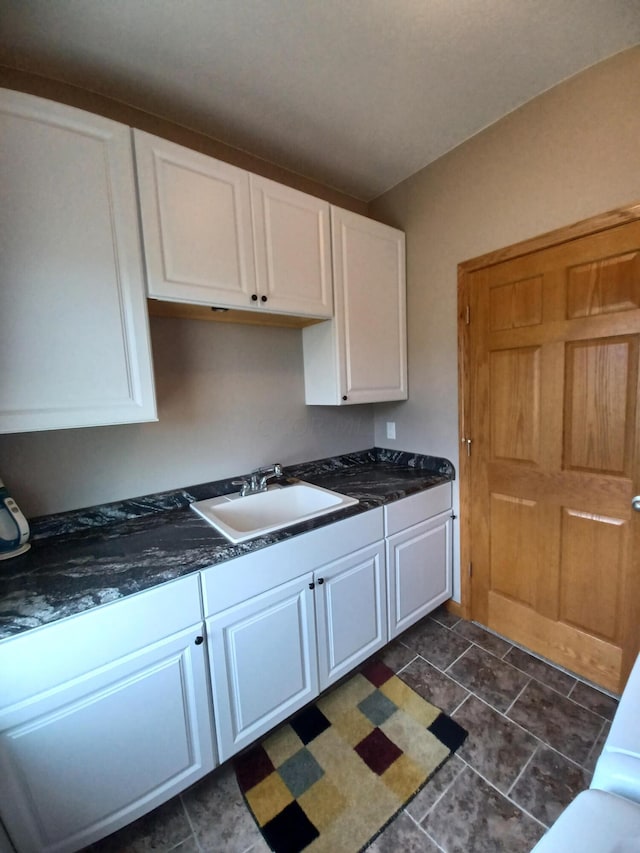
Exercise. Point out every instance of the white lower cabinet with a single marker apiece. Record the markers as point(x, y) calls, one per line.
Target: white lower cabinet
point(106, 715)
point(350, 611)
point(89, 743)
point(271, 653)
point(263, 661)
point(419, 556)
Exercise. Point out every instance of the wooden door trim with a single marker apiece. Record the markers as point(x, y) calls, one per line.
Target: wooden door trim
point(584, 228)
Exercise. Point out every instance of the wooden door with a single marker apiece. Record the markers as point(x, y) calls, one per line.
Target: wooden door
point(554, 344)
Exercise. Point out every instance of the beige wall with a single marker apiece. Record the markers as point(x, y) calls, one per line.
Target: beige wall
point(230, 399)
point(569, 154)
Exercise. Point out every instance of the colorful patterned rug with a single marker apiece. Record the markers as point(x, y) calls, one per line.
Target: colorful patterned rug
point(336, 774)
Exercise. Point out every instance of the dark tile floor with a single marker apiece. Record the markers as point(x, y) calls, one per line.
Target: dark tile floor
point(534, 735)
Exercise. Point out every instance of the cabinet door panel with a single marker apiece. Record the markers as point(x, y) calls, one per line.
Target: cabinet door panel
point(369, 279)
point(419, 571)
point(360, 356)
point(73, 320)
point(263, 663)
point(85, 759)
point(196, 223)
point(293, 249)
point(351, 607)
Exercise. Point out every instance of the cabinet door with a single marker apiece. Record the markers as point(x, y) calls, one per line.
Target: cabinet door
point(419, 571)
point(263, 662)
point(196, 224)
point(369, 281)
point(84, 759)
point(361, 355)
point(351, 608)
point(74, 341)
point(293, 250)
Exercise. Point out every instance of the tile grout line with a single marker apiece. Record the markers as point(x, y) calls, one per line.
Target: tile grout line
point(520, 692)
point(444, 671)
point(602, 728)
point(524, 730)
point(502, 794)
point(402, 669)
point(522, 769)
point(444, 791)
point(190, 822)
point(421, 829)
point(439, 797)
point(530, 679)
point(455, 711)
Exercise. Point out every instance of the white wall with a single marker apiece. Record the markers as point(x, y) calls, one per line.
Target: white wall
point(230, 399)
point(569, 154)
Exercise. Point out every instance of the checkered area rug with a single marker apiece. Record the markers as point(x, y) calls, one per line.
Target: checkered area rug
point(332, 777)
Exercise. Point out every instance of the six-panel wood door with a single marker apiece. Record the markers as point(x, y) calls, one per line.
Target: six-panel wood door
point(554, 348)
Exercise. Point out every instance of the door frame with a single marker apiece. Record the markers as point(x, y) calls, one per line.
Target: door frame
point(583, 228)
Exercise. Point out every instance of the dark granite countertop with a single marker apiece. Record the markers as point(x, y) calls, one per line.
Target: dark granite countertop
point(84, 558)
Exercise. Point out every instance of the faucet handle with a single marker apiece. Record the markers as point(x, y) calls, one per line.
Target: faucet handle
point(246, 486)
point(275, 470)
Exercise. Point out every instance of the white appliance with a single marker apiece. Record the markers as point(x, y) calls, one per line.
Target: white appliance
point(14, 528)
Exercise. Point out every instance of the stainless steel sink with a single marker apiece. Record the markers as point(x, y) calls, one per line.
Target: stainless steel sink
point(241, 518)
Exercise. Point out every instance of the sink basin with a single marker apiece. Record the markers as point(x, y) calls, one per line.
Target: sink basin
point(245, 518)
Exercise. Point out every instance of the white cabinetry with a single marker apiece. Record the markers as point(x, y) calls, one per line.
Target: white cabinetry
point(216, 235)
point(103, 717)
point(360, 356)
point(419, 557)
point(351, 611)
point(267, 610)
point(292, 248)
point(196, 224)
point(263, 661)
point(74, 341)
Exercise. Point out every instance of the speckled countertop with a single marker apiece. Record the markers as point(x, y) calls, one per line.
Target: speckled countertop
point(81, 559)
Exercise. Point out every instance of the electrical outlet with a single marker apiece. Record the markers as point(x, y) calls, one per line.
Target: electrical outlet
point(391, 429)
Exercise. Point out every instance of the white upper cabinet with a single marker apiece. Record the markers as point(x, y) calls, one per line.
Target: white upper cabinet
point(360, 356)
point(74, 340)
point(292, 248)
point(217, 235)
point(196, 224)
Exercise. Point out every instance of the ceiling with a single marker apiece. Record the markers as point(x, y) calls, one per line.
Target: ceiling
point(357, 94)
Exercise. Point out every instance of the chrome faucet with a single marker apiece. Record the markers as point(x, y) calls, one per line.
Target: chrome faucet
point(257, 481)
